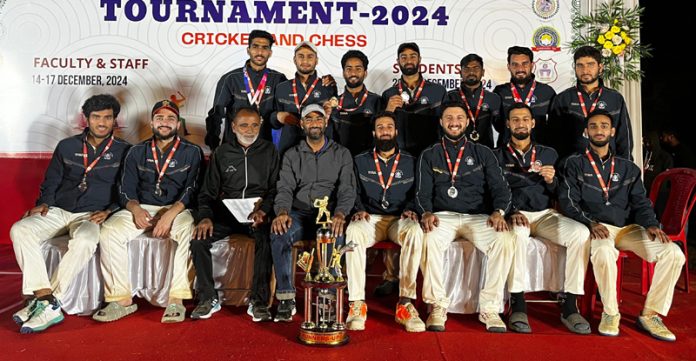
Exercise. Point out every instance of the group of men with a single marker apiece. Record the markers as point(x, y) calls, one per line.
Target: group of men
point(414, 166)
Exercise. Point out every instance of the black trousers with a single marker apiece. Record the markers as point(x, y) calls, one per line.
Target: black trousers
point(203, 262)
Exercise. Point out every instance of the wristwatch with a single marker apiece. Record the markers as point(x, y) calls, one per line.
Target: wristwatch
point(502, 212)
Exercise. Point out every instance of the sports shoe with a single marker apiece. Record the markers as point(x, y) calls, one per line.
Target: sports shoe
point(259, 313)
point(286, 309)
point(407, 315)
point(24, 314)
point(437, 318)
point(493, 322)
point(654, 326)
point(45, 315)
point(357, 315)
point(205, 309)
point(609, 325)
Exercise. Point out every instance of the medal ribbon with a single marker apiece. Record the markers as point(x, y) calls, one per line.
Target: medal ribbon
point(362, 101)
point(299, 104)
point(418, 92)
point(255, 96)
point(594, 104)
point(160, 172)
point(391, 174)
point(521, 161)
point(516, 95)
point(605, 186)
point(96, 160)
point(453, 172)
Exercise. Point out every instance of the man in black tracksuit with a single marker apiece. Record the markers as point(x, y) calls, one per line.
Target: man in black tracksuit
point(351, 120)
point(241, 87)
point(415, 101)
point(522, 88)
point(570, 108)
point(244, 167)
point(483, 107)
point(604, 191)
point(294, 94)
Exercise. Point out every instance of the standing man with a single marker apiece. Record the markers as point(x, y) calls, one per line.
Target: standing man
point(304, 89)
point(682, 155)
point(78, 193)
point(604, 192)
point(455, 178)
point(415, 101)
point(316, 168)
point(482, 106)
point(157, 185)
point(570, 108)
point(351, 121)
point(252, 85)
point(243, 167)
point(529, 169)
point(384, 211)
point(523, 88)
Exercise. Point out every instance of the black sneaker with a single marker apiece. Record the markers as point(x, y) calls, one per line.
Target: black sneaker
point(259, 313)
point(205, 309)
point(286, 309)
point(387, 288)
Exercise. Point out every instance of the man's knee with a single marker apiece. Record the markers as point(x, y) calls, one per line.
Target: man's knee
point(604, 254)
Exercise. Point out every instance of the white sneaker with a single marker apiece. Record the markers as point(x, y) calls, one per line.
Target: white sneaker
point(45, 315)
point(436, 320)
point(493, 322)
point(24, 314)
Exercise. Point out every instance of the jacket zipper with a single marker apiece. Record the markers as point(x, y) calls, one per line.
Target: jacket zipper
point(246, 174)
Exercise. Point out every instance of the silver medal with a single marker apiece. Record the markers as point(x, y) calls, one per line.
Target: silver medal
point(158, 190)
point(452, 192)
point(607, 203)
point(474, 136)
point(83, 185)
point(385, 204)
point(405, 97)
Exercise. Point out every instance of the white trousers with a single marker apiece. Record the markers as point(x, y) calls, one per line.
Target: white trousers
point(120, 229)
point(563, 231)
point(29, 233)
point(365, 234)
point(497, 246)
point(668, 259)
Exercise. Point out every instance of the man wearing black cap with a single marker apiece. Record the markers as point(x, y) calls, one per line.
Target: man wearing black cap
point(157, 185)
point(304, 89)
point(482, 106)
point(316, 168)
point(252, 85)
point(523, 88)
point(415, 101)
point(77, 195)
point(243, 167)
point(350, 123)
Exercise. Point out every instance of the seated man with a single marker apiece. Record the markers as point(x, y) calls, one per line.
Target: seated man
point(244, 166)
point(455, 178)
point(528, 168)
point(316, 168)
point(77, 194)
point(158, 182)
point(384, 211)
point(605, 192)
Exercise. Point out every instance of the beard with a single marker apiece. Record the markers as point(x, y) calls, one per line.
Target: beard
point(454, 136)
point(592, 80)
point(314, 133)
point(409, 71)
point(159, 135)
point(471, 81)
point(384, 145)
point(600, 143)
point(246, 140)
point(521, 135)
point(354, 84)
point(522, 81)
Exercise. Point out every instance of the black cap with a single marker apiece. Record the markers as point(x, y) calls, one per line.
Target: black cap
point(404, 46)
point(165, 104)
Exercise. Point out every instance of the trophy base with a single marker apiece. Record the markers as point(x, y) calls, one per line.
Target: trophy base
point(318, 338)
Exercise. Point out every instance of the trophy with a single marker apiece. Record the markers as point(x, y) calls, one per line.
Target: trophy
point(323, 309)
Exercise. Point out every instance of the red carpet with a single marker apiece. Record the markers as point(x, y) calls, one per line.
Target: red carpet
point(230, 334)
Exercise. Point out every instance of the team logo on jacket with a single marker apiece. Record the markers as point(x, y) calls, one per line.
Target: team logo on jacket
point(108, 156)
point(230, 169)
point(172, 163)
point(601, 104)
point(268, 90)
point(485, 107)
point(398, 174)
point(424, 100)
point(316, 94)
point(615, 177)
point(469, 160)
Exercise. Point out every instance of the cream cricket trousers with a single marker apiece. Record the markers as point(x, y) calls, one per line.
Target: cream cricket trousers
point(563, 231)
point(120, 229)
point(668, 259)
point(29, 233)
point(365, 234)
point(497, 246)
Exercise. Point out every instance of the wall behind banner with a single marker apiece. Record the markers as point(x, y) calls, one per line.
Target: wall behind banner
point(56, 53)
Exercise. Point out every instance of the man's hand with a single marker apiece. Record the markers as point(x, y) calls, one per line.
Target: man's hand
point(548, 172)
point(327, 109)
point(258, 217)
point(328, 80)
point(598, 231)
point(41, 209)
point(519, 219)
point(99, 217)
point(338, 221)
point(204, 229)
point(410, 215)
point(164, 223)
point(429, 221)
point(141, 217)
point(361, 215)
point(281, 224)
point(658, 234)
point(394, 102)
point(497, 221)
point(287, 118)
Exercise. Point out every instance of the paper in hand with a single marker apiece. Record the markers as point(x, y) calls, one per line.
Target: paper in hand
point(241, 208)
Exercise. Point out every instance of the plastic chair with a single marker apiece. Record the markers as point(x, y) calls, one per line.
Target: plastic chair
point(675, 217)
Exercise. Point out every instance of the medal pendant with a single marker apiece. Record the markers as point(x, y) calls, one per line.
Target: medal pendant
point(158, 190)
point(385, 204)
point(474, 136)
point(82, 186)
point(607, 203)
point(452, 192)
point(405, 97)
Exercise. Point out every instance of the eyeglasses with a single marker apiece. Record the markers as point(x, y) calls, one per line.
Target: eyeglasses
point(313, 119)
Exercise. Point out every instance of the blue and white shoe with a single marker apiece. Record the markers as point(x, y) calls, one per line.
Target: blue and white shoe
point(45, 315)
point(23, 315)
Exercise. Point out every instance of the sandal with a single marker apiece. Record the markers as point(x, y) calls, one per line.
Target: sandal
point(174, 313)
point(577, 324)
point(519, 322)
point(113, 311)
